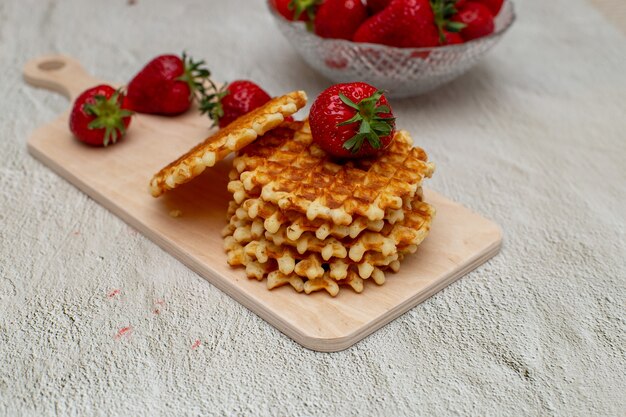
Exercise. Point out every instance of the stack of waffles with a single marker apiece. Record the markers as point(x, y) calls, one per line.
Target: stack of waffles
point(299, 218)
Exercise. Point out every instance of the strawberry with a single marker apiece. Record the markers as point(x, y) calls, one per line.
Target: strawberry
point(302, 10)
point(167, 85)
point(233, 101)
point(352, 120)
point(452, 38)
point(339, 19)
point(98, 116)
point(282, 7)
point(493, 5)
point(376, 6)
point(404, 23)
point(444, 10)
point(477, 19)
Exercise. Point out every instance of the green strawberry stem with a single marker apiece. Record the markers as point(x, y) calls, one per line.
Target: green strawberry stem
point(197, 76)
point(372, 126)
point(443, 11)
point(210, 102)
point(304, 6)
point(108, 116)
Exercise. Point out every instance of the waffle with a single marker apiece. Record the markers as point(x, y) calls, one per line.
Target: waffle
point(308, 269)
point(409, 231)
point(308, 265)
point(305, 272)
point(290, 171)
point(233, 137)
point(299, 218)
point(296, 223)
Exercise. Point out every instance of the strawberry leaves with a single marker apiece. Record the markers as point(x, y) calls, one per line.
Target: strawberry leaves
point(108, 115)
point(307, 7)
point(210, 103)
point(195, 75)
point(373, 125)
point(202, 88)
point(444, 10)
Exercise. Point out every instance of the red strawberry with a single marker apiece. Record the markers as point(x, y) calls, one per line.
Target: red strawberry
point(459, 3)
point(303, 10)
point(452, 38)
point(339, 19)
point(404, 23)
point(444, 11)
point(375, 6)
point(167, 85)
point(237, 99)
point(352, 120)
point(99, 117)
point(493, 5)
point(282, 7)
point(477, 18)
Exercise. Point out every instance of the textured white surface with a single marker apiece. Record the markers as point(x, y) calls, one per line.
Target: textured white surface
point(534, 138)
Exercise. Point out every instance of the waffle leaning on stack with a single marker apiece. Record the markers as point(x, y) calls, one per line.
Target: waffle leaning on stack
point(327, 202)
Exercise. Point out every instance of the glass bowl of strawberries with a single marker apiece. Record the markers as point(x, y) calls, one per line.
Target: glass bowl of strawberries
point(404, 47)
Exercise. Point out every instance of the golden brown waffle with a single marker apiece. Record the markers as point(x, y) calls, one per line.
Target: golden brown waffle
point(308, 272)
point(299, 218)
point(410, 230)
point(307, 265)
point(296, 223)
point(287, 169)
point(247, 244)
point(233, 137)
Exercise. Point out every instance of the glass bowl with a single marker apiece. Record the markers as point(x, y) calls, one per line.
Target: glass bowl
point(401, 72)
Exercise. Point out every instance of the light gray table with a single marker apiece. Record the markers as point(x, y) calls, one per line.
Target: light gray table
point(533, 138)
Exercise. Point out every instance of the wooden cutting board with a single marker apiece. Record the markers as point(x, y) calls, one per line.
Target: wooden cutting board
point(117, 177)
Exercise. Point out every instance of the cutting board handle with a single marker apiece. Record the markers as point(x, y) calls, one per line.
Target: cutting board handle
point(58, 73)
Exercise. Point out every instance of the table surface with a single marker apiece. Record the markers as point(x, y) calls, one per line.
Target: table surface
point(533, 138)
point(614, 10)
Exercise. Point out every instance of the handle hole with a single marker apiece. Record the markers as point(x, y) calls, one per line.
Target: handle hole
point(51, 65)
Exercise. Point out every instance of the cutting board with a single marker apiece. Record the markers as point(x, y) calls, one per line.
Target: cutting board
point(117, 177)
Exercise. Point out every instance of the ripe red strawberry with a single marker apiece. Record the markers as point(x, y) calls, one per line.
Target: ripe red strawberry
point(302, 10)
point(339, 19)
point(375, 6)
point(477, 18)
point(452, 38)
point(444, 11)
point(352, 120)
point(99, 117)
point(493, 5)
point(404, 23)
point(282, 7)
point(237, 99)
point(167, 85)
point(459, 3)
